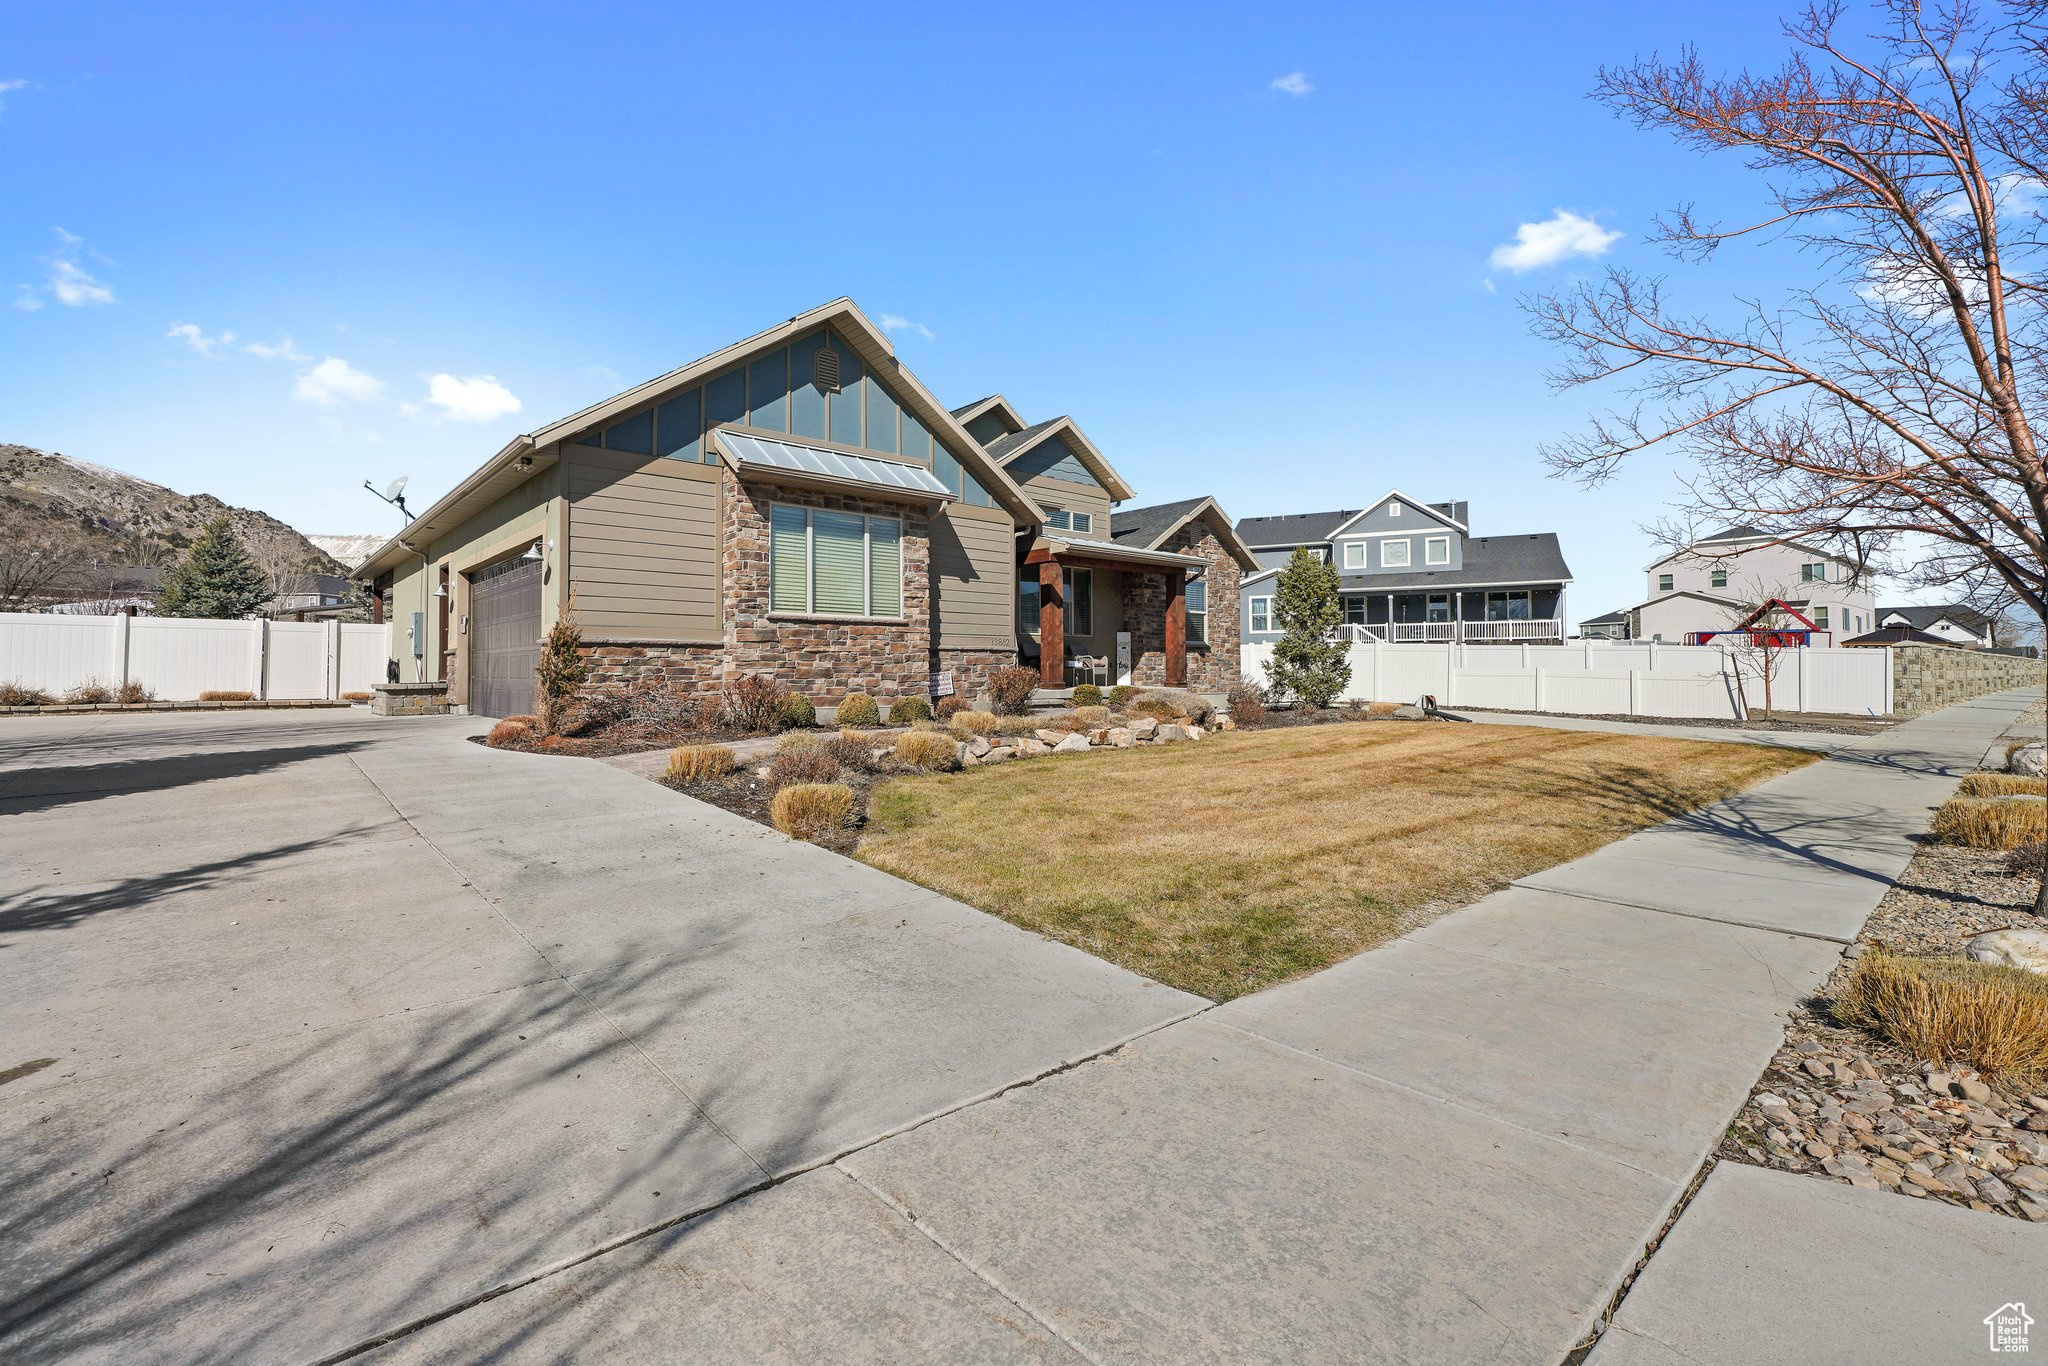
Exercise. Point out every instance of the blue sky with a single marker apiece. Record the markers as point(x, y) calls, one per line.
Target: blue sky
point(1251, 248)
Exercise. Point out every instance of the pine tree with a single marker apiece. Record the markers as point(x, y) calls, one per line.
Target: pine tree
point(216, 579)
point(1309, 662)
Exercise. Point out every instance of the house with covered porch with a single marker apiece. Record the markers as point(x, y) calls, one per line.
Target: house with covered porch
point(1412, 571)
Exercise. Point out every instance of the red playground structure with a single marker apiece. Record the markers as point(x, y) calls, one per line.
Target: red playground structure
point(1771, 637)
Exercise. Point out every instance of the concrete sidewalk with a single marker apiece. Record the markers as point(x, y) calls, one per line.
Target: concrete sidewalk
point(1452, 1148)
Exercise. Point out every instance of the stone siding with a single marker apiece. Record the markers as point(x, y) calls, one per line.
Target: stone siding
point(1212, 668)
point(972, 670)
point(1928, 677)
point(695, 668)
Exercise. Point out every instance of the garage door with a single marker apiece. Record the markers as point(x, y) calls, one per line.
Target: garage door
point(504, 638)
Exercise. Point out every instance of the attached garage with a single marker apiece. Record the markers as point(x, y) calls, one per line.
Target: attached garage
point(505, 637)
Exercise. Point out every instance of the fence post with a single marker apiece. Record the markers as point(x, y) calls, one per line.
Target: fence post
point(1653, 656)
point(122, 624)
point(1539, 689)
point(333, 641)
point(1377, 695)
point(1799, 681)
point(1635, 692)
point(259, 640)
point(1525, 654)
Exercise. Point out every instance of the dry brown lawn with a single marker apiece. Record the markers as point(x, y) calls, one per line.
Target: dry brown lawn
point(1227, 865)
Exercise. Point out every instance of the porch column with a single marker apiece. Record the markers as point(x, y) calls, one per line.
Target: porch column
point(1052, 626)
point(1176, 629)
point(376, 606)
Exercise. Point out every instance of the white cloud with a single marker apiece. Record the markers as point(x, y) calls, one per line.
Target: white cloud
point(1557, 238)
point(1914, 287)
point(470, 398)
point(893, 323)
point(66, 279)
point(1294, 83)
point(27, 300)
point(283, 350)
point(334, 381)
point(195, 338)
point(8, 88)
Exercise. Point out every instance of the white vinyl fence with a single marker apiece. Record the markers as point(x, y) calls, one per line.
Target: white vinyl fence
point(1609, 679)
point(179, 658)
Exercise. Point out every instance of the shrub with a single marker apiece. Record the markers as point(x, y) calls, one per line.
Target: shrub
point(356, 697)
point(855, 751)
point(1087, 695)
point(2027, 860)
point(1184, 703)
point(973, 723)
point(134, 694)
point(857, 709)
point(1010, 690)
point(697, 763)
point(21, 695)
point(905, 710)
point(1121, 695)
point(797, 712)
point(1990, 822)
point(508, 732)
point(226, 695)
point(1246, 701)
point(532, 722)
point(752, 705)
point(1952, 1012)
point(948, 706)
point(662, 711)
point(90, 693)
point(927, 749)
point(1092, 716)
point(800, 742)
point(2002, 785)
point(1158, 708)
point(798, 766)
point(591, 712)
point(559, 675)
point(806, 811)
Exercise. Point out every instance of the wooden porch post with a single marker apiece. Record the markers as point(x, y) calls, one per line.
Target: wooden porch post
point(1052, 626)
point(1176, 628)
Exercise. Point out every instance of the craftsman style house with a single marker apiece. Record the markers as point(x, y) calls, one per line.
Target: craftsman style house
point(1412, 571)
point(799, 505)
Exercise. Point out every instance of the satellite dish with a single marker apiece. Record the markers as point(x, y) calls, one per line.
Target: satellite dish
point(397, 487)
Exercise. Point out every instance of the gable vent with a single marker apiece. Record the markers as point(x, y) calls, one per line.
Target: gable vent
point(825, 369)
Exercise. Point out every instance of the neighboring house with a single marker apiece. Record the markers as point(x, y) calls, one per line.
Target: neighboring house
point(316, 595)
point(1409, 570)
point(1709, 585)
point(1952, 625)
point(797, 505)
point(103, 590)
point(1606, 626)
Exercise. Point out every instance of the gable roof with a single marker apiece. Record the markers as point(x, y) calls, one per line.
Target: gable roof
point(1435, 510)
point(993, 403)
point(1898, 635)
point(1293, 529)
point(1008, 449)
point(1617, 617)
point(1730, 541)
point(1920, 618)
point(1684, 593)
point(540, 448)
point(1532, 558)
point(1148, 526)
point(1736, 533)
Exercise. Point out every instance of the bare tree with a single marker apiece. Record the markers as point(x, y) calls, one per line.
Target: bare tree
point(286, 571)
point(34, 562)
point(1755, 640)
point(1884, 404)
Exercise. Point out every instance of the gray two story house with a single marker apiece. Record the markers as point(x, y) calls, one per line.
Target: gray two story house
point(1412, 571)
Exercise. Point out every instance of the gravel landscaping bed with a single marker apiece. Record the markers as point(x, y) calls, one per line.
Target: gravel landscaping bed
point(1845, 1105)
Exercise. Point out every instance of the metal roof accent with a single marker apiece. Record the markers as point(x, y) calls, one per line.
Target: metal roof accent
point(1115, 550)
point(750, 453)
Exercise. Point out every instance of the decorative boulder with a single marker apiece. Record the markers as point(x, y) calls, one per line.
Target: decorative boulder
point(1170, 733)
point(1197, 733)
point(978, 746)
point(2027, 949)
point(1144, 728)
point(968, 758)
point(1031, 749)
point(1073, 744)
point(999, 755)
point(1120, 737)
point(1048, 737)
point(1410, 714)
point(2029, 760)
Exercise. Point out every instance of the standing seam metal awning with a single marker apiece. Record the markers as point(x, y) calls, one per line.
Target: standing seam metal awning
point(768, 456)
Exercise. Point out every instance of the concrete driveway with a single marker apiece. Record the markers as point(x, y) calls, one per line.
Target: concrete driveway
point(316, 1025)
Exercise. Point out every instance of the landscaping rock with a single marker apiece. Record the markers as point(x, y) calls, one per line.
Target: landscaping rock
point(2029, 760)
point(1144, 728)
point(1169, 733)
point(2027, 949)
point(1197, 733)
point(1049, 737)
point(1121, 737)
point(1073, 744)
point(968, 758)
point(998, 756)
point(1031, 749)
point(1408, 713)
point(978, 746)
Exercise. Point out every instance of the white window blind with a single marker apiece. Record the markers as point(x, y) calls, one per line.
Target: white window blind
point(834, 563)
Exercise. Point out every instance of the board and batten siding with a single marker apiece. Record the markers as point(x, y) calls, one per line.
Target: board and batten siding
point(643, 546)
point(974, 579)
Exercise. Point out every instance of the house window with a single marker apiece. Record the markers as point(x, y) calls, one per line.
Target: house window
point(1354, 554)
point(1720, 578)
point(1817, 572)
point(1354, 609)
point(1262, 614)
point(1439, 606)
point(1394, 554)
point(831, 563)
point(1820, 618)
point(1509, 606)
point(1437, 550)
point(1027, 605)
point(1394, 509)
point(1198, 612)
point(1663, 583)
point(1063, 520)
point(1321, 553)
point(1080, 589)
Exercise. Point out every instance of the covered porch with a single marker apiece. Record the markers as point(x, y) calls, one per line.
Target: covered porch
point(1504, 615)
point(1125, 602)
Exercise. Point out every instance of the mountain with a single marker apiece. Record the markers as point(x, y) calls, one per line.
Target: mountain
point(351, 549)
point(83, 518)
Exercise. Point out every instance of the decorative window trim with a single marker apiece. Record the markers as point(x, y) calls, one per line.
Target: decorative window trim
point(1197, 617)
point(1354, 554)
point(1262, 607)
point(1393, 508)
point(1664, 583)
point(810, 609)
point(1387, 560)
point(1430, 548)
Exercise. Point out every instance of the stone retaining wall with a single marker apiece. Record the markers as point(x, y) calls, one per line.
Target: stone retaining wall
point(1928, 677)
